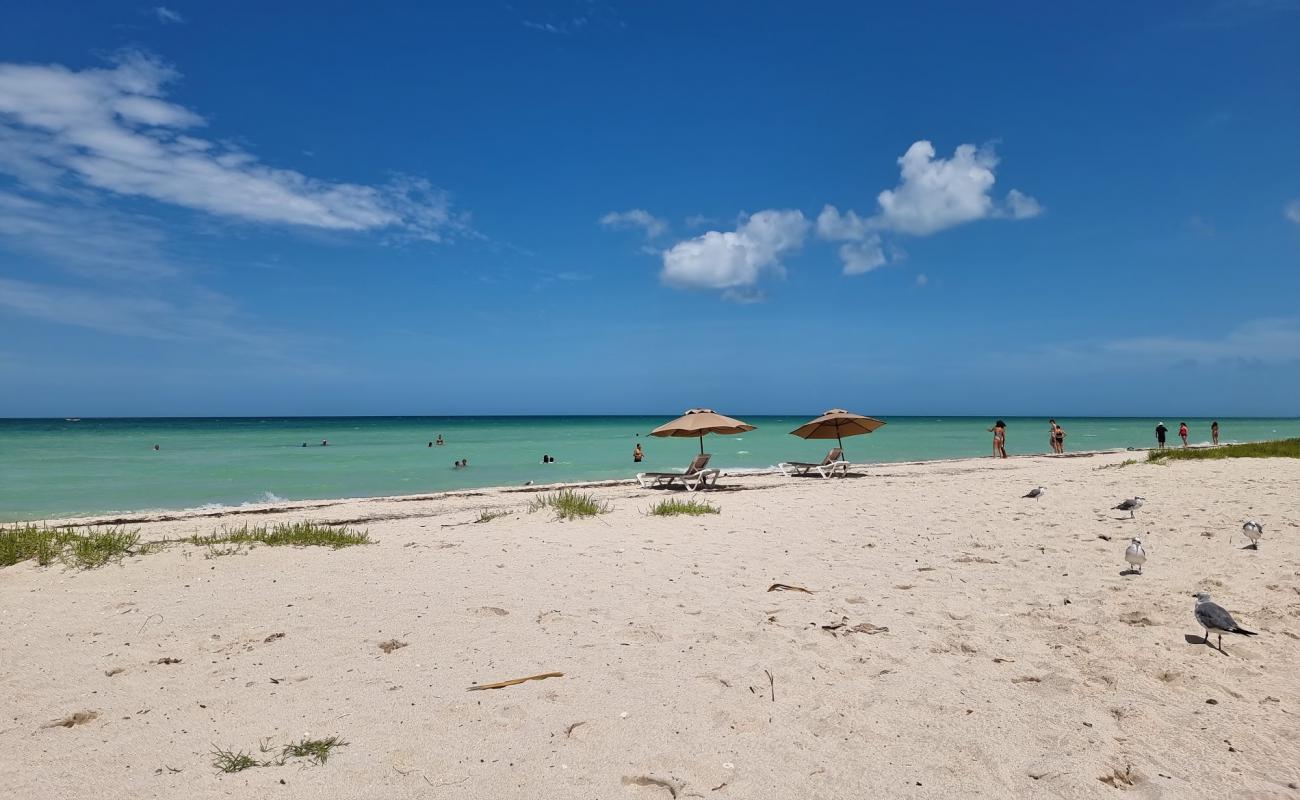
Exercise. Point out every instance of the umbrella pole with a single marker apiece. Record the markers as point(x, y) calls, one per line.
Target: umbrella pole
point(701, 444)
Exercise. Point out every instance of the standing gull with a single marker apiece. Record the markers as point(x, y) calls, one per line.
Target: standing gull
point(1214, 617)
point(1135, 555)
point(1036, 492)
point(1130, 505)
point(1253, 531)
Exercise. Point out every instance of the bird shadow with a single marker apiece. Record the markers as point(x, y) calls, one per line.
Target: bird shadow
point(1129, 572)
point(1193, 639)
point(1250, 547)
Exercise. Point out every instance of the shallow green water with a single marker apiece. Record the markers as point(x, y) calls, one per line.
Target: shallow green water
point(58, 468)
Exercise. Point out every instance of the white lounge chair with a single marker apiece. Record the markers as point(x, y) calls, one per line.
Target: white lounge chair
point(833, 462)
point(696, 476)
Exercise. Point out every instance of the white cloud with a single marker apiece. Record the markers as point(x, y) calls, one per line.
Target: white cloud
point(1274, 340)
point(933, 194)
point(167, 16)
point(735, 260)
point(837, 227)
point(196, 315)
point(861, 257)
point(87, 240)
point(936, 193)
point(113, 130)
point(699, 221)
point(1292, 211)
point(863, 251)
point(636, 218)
point(922, 279)
point(562, 28)
point(1022, 206)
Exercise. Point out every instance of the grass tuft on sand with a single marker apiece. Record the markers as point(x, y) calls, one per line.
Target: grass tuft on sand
point(285, 534)
point(88, 549)
point(1282, 448)
point(674, 507)
point(488, 516)
point(232, 761)
point(569, 504)
point(315, 750)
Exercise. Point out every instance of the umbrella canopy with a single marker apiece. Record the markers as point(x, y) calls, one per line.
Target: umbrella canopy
point(836, 424)
point(699, 421)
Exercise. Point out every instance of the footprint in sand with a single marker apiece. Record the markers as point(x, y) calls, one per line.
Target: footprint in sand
point(72, 720)
point(488, 611)
point(1135, 618)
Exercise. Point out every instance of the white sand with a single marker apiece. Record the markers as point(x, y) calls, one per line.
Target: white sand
point(1018, 660)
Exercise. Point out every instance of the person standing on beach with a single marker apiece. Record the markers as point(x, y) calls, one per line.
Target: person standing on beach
point(637, 454)
point(999, 431)
point(1214, 432)
point(1160, 435)
point(1182, 432)
point(1058, 438)
point(1051, 435)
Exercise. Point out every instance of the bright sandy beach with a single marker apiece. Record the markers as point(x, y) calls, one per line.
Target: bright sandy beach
point(956, 641)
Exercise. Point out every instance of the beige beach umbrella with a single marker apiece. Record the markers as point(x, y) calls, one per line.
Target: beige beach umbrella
point(836, 424)
point(699, 421)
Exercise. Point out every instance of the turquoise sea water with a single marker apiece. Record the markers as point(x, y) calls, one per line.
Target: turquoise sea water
point(54, 468)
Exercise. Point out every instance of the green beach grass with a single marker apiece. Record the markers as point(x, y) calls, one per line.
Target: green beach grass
point(96, 547)
point(285, 534)
point(81, 549)
point(1282, 448)
point(673, 508)
point(569, 504)
point(315, 751)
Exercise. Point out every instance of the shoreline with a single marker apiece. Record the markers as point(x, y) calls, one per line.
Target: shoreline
point(156, 515)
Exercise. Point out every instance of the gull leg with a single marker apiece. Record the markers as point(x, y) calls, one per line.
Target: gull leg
point(1207, 638)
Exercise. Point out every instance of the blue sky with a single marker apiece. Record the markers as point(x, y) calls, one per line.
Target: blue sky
point(247, 209)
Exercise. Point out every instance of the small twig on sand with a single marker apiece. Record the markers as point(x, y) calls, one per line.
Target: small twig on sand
point(785, 587)
point(146, 621)
point(772, 682)
point(502, 684)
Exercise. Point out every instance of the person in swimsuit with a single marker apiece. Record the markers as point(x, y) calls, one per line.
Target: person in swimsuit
point(1182, 432)
point(999, 431)
point(1160, 435)
point(1059, 436)
point(438, 441)
point(1051, 434)
point(1214, 432)
point(637, 454)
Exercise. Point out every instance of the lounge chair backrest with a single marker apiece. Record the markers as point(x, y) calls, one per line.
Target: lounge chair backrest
point(698, 463)
point(834, 455)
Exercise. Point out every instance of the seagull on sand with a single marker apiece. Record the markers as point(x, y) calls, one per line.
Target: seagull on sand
point(1036, 492)
point(1253, 531)
point(1214, 617)
point(1130, 505)
point(1135, 555)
